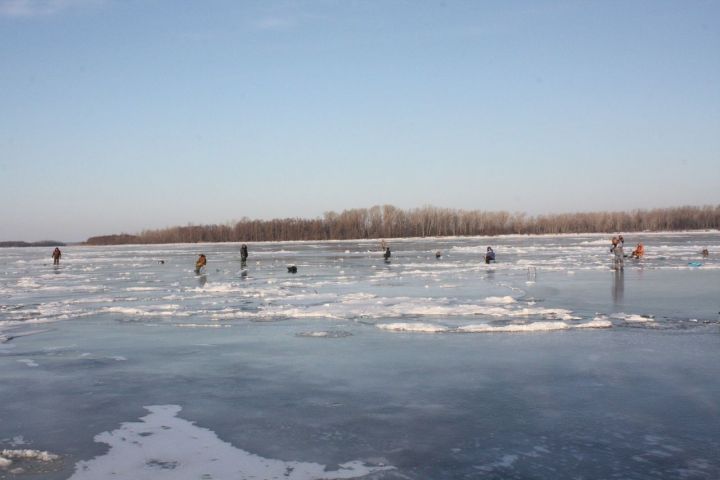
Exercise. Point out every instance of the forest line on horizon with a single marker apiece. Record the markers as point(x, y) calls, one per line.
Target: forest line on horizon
point(388, 221)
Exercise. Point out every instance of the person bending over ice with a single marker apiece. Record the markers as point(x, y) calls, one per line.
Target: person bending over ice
point(490, 255)
point(201, 262)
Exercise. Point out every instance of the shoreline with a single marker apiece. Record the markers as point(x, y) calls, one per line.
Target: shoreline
point(379, 239)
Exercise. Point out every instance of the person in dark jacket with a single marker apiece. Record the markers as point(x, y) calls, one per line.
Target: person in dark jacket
point(490, 255)
point(387, 254)
point(56, 256)
point(617, 250)
point(243, 253)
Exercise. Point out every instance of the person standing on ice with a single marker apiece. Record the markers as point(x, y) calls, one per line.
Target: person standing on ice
point(56, 256)
point(617, 249)
point(387, 254)
point(243, 253)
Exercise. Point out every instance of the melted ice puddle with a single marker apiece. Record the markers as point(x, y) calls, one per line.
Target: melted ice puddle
point(163, 446)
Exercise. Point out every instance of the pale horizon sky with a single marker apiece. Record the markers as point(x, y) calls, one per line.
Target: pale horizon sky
point(118, 116)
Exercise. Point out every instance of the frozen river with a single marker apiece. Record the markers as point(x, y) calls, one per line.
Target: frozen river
point(123, 363)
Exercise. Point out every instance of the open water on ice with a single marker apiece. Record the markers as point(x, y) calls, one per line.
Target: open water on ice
point(545, 365)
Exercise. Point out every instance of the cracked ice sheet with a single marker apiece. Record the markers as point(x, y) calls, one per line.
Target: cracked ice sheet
point(163, 446)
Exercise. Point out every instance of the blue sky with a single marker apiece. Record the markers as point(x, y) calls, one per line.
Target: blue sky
point(122, 115)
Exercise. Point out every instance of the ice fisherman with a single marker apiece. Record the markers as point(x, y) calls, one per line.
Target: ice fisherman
point(638, 252)
point(489, 255)
point(387, 254)
point(56, 256)
point(243, 253)
point(617, 249)
point(201, 262)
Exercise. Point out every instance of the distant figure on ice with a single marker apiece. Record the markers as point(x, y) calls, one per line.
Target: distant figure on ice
point(201, 262)
point(56, 256)
point(387, 254)
point(617, 249)
point(638, 252)
point(705, 252)
point(292, 269)
point(490, 255)
point(438, 254)
point(243, 253)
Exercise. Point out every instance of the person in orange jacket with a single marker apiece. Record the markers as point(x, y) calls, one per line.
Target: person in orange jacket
point(638, 252)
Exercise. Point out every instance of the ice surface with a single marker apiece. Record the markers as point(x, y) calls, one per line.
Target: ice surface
point(547, 364)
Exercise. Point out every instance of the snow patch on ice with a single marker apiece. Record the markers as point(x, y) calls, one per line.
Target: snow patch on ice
point(325, 334)
point(157, 310)
point(202, 325)
point(523, 327)
point(28, 362)
point(7, 457)
point(500, 300)
point(412, 327)
point(162, 446)
point(633, 318)
point(595, 323)
point(27, 283)
point(532, 327)
point(602, 241)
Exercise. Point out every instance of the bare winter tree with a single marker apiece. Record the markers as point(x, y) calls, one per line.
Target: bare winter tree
point(388, 221)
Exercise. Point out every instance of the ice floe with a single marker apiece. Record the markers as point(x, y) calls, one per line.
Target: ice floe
point(14, 460)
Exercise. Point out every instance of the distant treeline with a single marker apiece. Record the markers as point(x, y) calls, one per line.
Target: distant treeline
point(391, 222)
point(44, 243)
